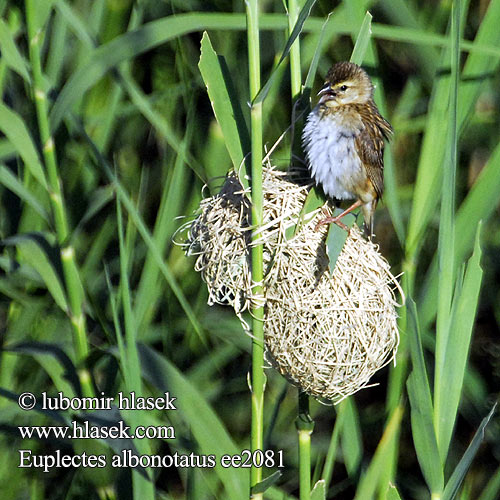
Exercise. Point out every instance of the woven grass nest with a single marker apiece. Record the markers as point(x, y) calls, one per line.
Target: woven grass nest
point(326, 333)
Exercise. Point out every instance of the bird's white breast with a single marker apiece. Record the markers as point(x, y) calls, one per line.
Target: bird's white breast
point(331, 151)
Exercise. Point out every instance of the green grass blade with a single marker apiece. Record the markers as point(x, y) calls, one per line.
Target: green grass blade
point(135, 93)
point(131, 355)
point(304, 13)
point(143, 488)
point(456, 479)
point(352, 444)
point(392, 493)
point(42, 13)
point(314, 200)
point(55, 362)
point(224, 102)
point(128, 46)
point(154, 33)
point(10, 54)
point(429, 177)
point(370, 480)
point(457, 349)
point(11, 182)
point(146, 236)
point(161, 124)
point(7, 150)
point(57, 50)
point(426, 186)
point(15, 130)
point(333, 447)
point(266, 483)
point(363, 40)
point(337, 236)
point(313, 67)
point(113, 300)
point(153, 248)
point(75, 23)
point(446, 241)
point(172, 202)
point(343, 26)
point(319, 491)
point(301, 19)
point(422, 425)
point(36, 251)
point(478, 66)
point(206, 427)
point(97, 202)
point(479, 205)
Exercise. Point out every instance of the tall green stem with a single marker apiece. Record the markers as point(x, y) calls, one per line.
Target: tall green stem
point(305, 427)
point(258, 377)
point(71, 275)
point(303, 423)
point(295, 73)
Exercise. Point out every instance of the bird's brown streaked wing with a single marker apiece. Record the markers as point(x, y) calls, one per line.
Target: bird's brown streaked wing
point(370, 144)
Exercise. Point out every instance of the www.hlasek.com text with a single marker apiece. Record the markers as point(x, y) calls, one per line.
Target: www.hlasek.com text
point(85, 430)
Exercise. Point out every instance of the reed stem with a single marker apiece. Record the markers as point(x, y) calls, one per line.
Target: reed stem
point(74, 287)
point(258, 376)
point(305, 426)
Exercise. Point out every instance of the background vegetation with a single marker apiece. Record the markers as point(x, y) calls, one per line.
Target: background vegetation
point(108, 135)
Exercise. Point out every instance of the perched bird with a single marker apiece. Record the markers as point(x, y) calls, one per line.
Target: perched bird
point(344, 141)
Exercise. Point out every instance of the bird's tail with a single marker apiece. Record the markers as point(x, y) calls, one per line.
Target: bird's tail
point(369, 216)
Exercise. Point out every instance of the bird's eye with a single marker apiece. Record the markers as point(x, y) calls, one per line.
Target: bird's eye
point(343, 88)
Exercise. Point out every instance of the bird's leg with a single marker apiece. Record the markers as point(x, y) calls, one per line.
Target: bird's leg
point(336, 219)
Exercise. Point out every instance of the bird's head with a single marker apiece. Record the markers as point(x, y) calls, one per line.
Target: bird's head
point(346, 83)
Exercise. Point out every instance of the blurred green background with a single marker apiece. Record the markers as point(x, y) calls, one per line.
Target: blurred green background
point(107, 137)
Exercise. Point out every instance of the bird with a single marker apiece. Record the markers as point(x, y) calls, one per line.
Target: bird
point(344, 138)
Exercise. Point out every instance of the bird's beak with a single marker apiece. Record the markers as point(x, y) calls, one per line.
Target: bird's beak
point(326, 93)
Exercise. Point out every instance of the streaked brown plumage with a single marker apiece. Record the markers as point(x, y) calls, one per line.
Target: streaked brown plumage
point(344, 141)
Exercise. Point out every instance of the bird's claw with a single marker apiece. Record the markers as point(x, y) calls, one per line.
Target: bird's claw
point(332, 220)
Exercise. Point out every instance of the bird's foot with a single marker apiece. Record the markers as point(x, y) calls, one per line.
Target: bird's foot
point(332, 220)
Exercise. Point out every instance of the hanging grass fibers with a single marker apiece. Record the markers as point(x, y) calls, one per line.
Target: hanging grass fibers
point(326, 333)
